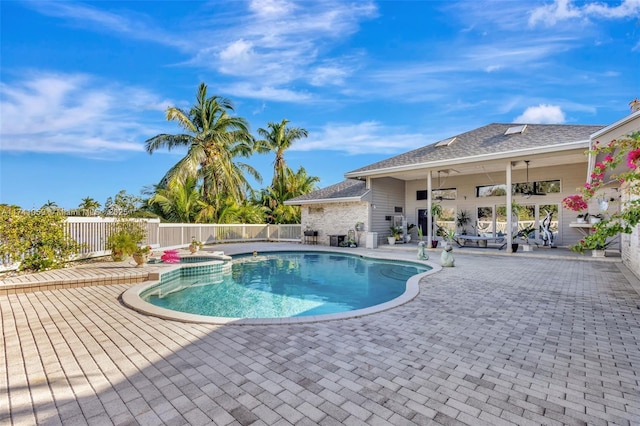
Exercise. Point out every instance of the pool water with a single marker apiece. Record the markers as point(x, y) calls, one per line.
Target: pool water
point(285, 284)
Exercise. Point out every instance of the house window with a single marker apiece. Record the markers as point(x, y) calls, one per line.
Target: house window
point(491, 190)
point(447, 219)
point(444, 194)
point(537, 187)
point(485, 224)
point(438, 194)
point(547, 186)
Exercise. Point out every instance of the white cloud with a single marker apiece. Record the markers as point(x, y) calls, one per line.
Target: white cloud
point(562, 10)
point(271, 8)
point(238, 51)
point(626, 9)
point(72, 113)
point(277, 42)
point(541, 114)
point(369, 136)
point(328, 76)
point(138, 26)
point(262, 92)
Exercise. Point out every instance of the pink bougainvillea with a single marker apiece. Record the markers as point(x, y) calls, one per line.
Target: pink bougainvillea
point(575, 203)
point(633, 158)
point(628, 216)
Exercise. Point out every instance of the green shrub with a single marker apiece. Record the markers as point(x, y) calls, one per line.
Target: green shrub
point(125, 237)
point(36, 239)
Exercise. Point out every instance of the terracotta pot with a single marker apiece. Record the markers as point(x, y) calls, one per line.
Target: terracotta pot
point(140, 259)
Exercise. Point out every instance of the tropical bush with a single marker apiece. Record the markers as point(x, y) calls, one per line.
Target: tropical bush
point(36, 239)
point(623, 157)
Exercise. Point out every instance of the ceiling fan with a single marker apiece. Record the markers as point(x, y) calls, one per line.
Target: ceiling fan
point(526, 191)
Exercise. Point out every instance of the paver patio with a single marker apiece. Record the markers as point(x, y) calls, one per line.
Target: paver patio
point(497, 340)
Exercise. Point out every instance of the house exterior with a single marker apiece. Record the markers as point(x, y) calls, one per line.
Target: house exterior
point(469, 173)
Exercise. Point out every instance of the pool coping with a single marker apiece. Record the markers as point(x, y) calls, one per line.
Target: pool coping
point(131, 297)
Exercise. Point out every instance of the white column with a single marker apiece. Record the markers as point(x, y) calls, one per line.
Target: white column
point(509, 200)
point(429, 218)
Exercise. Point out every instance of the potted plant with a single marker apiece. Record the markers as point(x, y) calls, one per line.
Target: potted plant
point(436, 211)
point(395, 232)
point(141, 255)
point(350, 242)
point(596, 242)
point(462, 220)
point(195, 245)
point(595, 218)
point(359, 226)
point(408, 237)
point(440, 232)
point(514, 244)
point(524, 236)
point(123, 241)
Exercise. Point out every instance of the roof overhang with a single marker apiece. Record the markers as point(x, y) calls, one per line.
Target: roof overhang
point(620, 123)
point(485, 162)
point(362, 198)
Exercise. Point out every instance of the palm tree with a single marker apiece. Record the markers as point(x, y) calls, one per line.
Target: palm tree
point(278, 138)
point(214, 139)
point(293, 185)
point(88, 206)
point(178, 201)
point(50, 205)
point(300, 183)
point(227, 210)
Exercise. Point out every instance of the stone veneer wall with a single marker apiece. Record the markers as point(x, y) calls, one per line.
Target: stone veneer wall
point(334, 219)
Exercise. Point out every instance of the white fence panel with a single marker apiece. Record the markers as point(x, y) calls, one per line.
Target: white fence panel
point(92, 233)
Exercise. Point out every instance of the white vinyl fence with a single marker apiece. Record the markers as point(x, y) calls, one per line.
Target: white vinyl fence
point(92, 233)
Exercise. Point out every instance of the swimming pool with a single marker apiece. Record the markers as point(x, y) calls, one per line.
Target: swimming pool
point(282, 287)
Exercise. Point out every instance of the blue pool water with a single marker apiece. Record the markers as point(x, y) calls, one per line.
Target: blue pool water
point(285, 284)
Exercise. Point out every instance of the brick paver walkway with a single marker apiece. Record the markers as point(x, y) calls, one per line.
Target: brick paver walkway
point(495, 340)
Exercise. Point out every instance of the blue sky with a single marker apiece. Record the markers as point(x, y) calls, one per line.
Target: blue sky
point(84, 84)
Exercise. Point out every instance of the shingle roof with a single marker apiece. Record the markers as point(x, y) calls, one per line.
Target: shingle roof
point(350, 188)
point(489, 139)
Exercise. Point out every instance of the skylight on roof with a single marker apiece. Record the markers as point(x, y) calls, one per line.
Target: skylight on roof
point(515, 129)
point(445, 142)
